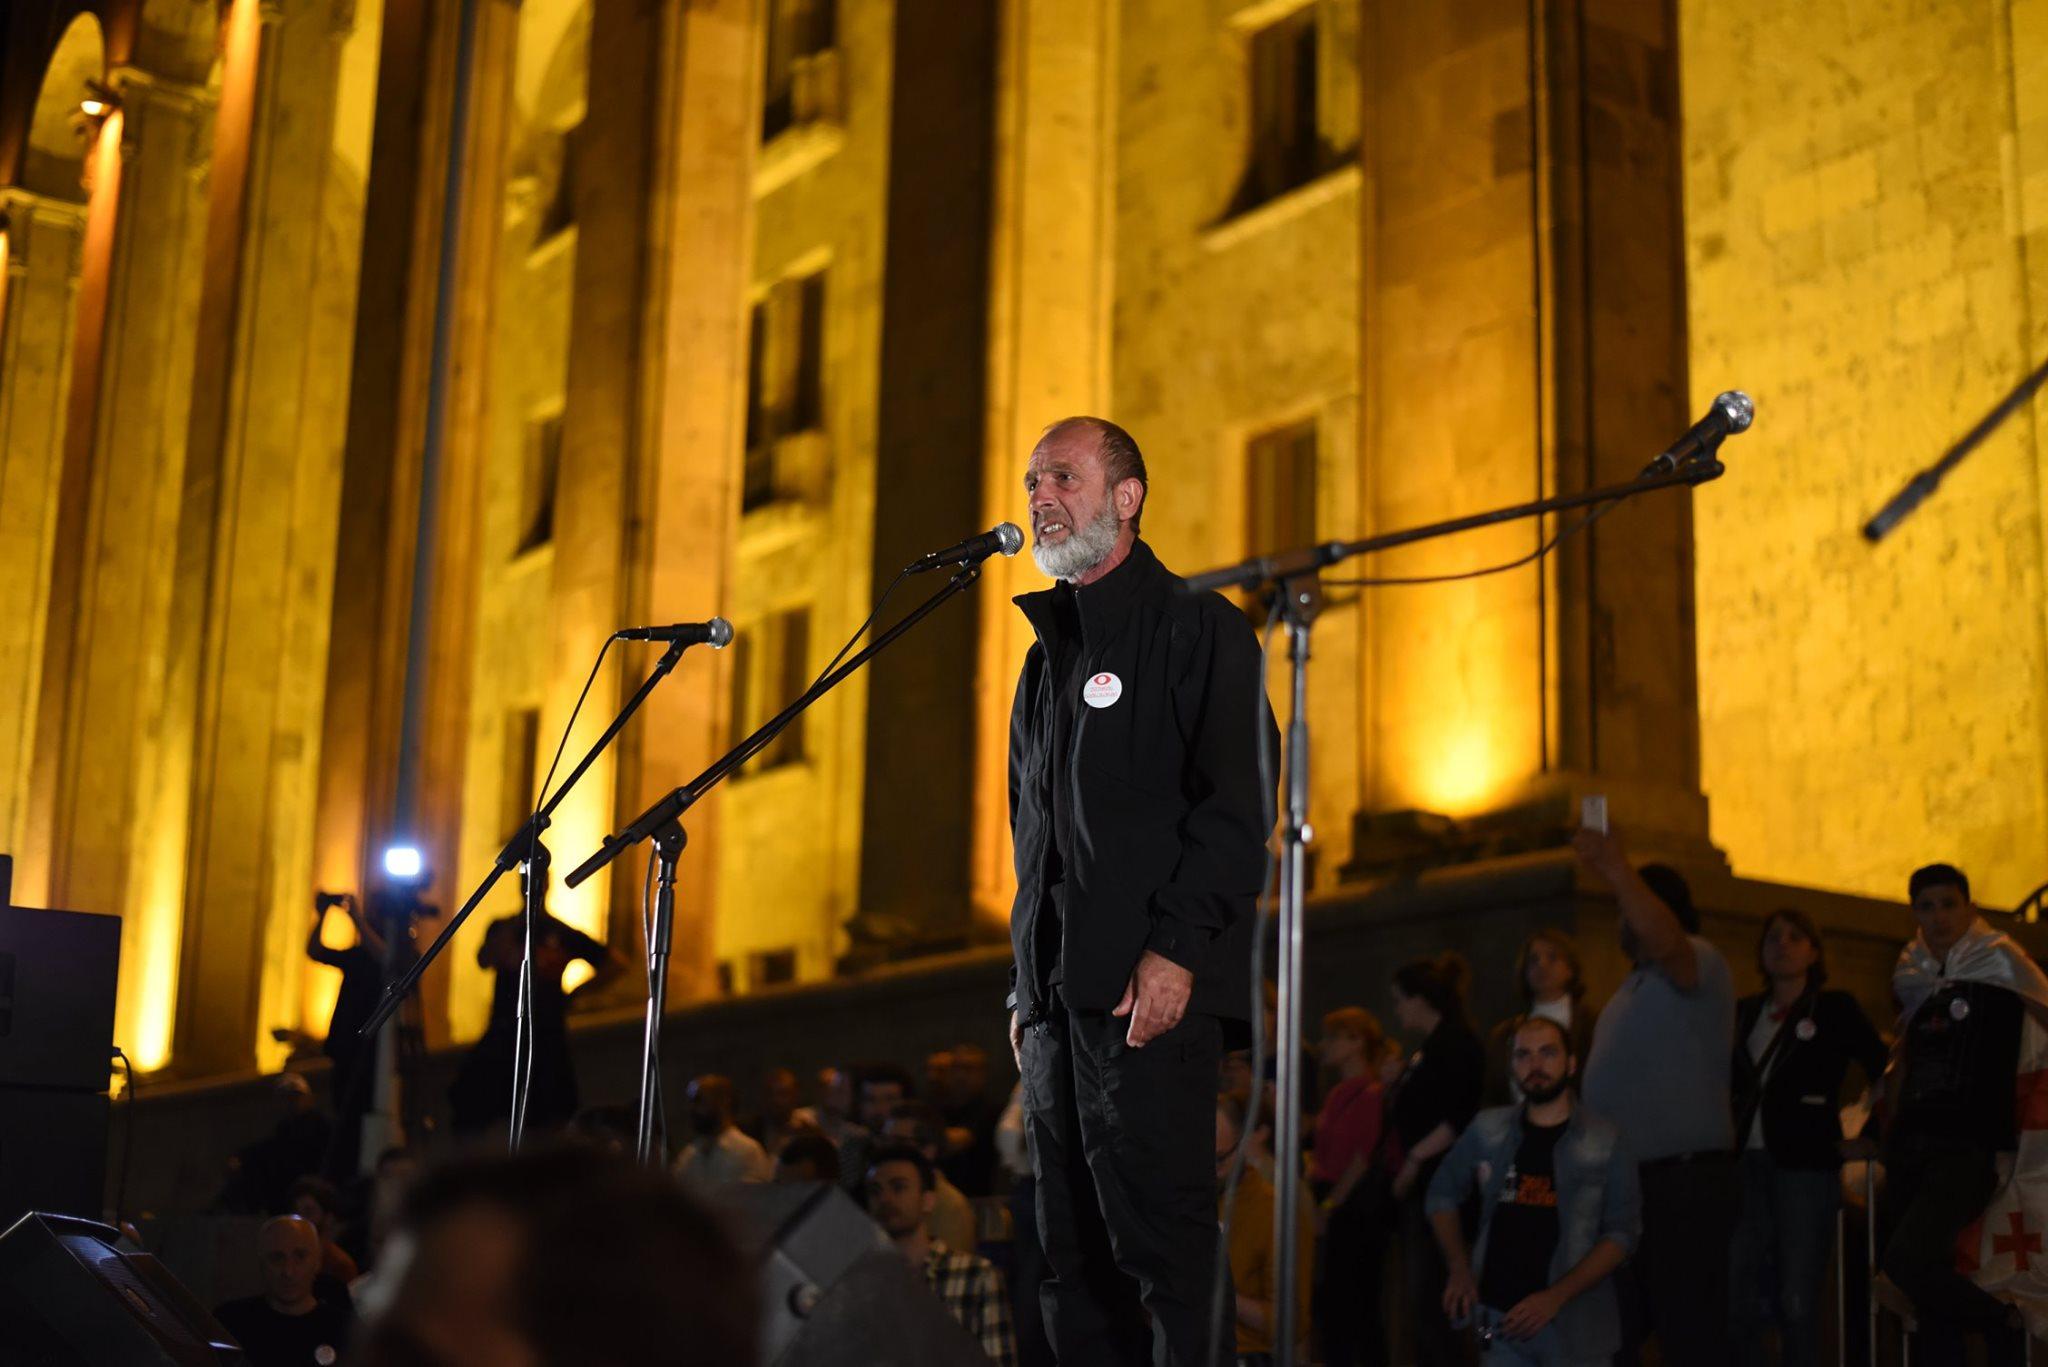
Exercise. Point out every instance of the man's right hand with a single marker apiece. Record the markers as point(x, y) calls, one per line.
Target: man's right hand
point(1017, 1041)
point(1460, 1294)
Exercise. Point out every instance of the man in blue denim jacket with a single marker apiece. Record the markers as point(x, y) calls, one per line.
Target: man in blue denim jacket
point(1559, 1212)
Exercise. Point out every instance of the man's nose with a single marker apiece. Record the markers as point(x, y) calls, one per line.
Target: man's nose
point(1042, 500)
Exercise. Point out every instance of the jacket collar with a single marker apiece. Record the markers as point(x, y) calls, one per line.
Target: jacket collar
point(1101, 606)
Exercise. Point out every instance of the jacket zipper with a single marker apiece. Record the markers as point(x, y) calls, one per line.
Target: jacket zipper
point(1037, 1017)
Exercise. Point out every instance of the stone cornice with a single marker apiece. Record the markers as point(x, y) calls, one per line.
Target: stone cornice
point(19, 204)
point(145, 87)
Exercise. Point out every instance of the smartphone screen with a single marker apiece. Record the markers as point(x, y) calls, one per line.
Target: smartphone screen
point(1593, 812)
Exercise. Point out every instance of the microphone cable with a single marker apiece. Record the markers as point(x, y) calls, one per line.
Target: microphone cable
point(811, 693)
point(522, 1034)
point(1557, 539)
point(1262, 919)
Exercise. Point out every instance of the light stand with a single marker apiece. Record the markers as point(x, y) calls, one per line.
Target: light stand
point(661, 824)
point(1294, 573)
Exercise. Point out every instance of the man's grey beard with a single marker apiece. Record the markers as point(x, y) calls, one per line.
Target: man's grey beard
point(1084, 549)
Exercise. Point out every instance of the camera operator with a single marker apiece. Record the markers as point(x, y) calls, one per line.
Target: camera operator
point(353, 1058)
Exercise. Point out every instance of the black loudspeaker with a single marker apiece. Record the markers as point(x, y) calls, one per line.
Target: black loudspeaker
point(70, 1298)
point(53, 1151)
point(56, 1028)
point(57, 971)
point(834, 1293)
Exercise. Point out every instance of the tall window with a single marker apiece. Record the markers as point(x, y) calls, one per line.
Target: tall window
point(800, 81)
point(560, 214)
point(758, 475)
point(785, 381)
point(543, 469)
point(1286, 148)
point(1280, 492)
point(772, 967)
point(771, 666)
point(519, 769)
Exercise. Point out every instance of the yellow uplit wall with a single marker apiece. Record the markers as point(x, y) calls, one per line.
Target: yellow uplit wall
point(1866, 252)
point(1866, 257)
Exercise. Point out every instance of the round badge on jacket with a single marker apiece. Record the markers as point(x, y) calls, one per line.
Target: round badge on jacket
point(1958, 1009)
point(1806, 1029)
point(1101, 690)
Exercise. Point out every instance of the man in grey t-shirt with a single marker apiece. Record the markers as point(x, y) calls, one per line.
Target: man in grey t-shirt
point(1659, 1069)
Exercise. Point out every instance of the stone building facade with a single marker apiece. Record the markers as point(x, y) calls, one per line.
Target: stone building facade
point(364, 365)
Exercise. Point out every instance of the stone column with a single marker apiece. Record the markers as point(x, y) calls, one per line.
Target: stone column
point(1525, 334)
point(38, 320)
point(692, 397)
point(931, 418)
point(107, 806)
point(256, 544)
point(366, 659)
point(1051, 295)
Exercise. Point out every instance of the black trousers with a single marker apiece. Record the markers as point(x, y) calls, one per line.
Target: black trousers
point(1027, 1274)
point(1351, 1278)
point(1123, 1152)
point(1932, 1190)
point(1437, 1343)
point(1675, 1288)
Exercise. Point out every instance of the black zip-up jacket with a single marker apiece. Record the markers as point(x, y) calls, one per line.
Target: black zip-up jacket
point(1801, 1102)
point(1168, 825)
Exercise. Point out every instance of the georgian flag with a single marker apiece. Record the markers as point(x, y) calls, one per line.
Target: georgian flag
point(2004, 1250)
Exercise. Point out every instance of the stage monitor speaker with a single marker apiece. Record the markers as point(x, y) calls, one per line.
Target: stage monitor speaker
point(70, 1298)
point(834, 1291)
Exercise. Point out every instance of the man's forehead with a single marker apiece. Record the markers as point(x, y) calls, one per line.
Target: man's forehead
point(283, 1234)
point(1074, 449)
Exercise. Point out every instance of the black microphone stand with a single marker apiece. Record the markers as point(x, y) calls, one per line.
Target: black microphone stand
point(1916, 490)
point(661, 823)
point(1295, 575)
point(524, 848)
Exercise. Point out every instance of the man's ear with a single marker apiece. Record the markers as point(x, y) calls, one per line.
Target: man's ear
point(930, 1200)
point(1571, 1065)
point(1129, 496)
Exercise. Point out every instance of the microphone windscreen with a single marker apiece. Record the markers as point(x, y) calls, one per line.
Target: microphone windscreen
point(1738, 408)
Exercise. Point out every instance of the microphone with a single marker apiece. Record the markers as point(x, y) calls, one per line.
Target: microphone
point(1732, 412)
point(1005, 539)
point(716, 633)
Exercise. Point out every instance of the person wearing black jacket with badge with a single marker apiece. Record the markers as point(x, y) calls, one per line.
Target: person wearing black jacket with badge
point(1793, 1047)
point(1139, 826)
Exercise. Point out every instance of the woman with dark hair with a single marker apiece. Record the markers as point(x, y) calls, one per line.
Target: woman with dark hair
point(1553, 987)
point(1794, 1043)
point(1432, 1102)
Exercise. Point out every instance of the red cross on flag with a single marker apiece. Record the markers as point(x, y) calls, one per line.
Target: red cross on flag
point(2003, 1251)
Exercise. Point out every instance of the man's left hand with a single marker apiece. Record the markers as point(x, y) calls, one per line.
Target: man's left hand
point(1155, 998)
point(1530, 1314)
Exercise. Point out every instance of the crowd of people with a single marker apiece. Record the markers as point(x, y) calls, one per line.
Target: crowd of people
point(1663, 1170)
point(1568, 1186)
